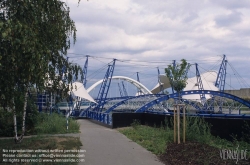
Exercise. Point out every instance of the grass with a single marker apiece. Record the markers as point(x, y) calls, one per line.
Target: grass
point(55, 124)
point(43, 143)
point(45, 124)
point(197, 130)
point(37, 123)
point(156, 139)
point(153, 139)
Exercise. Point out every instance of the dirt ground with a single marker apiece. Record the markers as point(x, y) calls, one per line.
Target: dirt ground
point(196, 154)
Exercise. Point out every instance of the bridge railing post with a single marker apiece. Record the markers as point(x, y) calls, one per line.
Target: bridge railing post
point(107, 118)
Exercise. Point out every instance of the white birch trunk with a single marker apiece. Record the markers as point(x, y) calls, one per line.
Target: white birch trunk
point(19, 139)
point(24, 113)
point(15, 124)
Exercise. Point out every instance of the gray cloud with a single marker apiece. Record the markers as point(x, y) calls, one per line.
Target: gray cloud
point(190, 17)
point(229, 19)
point(232, 4)
point(163, 31)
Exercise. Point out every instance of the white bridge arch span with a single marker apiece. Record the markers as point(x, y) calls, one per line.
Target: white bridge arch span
point(130, 80)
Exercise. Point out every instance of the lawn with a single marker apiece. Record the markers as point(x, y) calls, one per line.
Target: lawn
point(200, 148)
point(40, 125)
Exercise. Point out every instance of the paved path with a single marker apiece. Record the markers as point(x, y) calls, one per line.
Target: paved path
point(105, 146)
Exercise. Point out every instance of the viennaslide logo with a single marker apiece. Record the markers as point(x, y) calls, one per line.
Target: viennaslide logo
point(236, 154)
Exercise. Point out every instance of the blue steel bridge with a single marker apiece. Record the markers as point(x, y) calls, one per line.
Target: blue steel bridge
point(212, 103)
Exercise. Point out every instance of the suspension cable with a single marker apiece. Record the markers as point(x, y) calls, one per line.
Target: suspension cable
point(237, 74)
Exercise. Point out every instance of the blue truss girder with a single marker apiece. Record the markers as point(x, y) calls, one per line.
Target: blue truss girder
point(129, 98)
point(221, 77)
point(138, 79)
point(151, 103)
point(199, 83)
point(174, 95)
point(120, 90)
point(83, 112)
point(159, 81)
point(93, 106)
point(107, 118)
point(160, 98)
point(221, 94)
point(192, 104)
point(103, 85)
point(186, 71)
point(103, 92)
point(85, 71)
point(137, 74)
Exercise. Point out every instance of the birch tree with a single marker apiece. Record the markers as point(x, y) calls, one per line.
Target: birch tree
point(35, 36)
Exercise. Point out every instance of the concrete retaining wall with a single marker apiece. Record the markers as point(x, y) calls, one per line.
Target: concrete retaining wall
point(243, 92)
point(222, 127)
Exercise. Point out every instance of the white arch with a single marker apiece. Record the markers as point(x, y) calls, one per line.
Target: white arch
point(130, 80)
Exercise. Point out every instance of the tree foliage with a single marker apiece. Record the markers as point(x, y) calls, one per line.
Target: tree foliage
point(178, 75)
point(35, 36)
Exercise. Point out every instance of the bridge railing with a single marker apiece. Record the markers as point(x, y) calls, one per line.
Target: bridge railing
point(105, 118)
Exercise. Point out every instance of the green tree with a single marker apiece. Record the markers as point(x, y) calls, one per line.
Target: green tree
point(35, 36)
point(178, 75)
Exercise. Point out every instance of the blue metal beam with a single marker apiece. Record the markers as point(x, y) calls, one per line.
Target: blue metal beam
point(93, 106)
point(103, 92)
point(174, 95)
point(221, 77)
point(151, 103)
point(124, 90)
point(159, 81)
point(85, 71)
point(192, 104)
point(161, 98)
point(120, 90)
point(129, 98)
point(138, 79)
point(199, 83)
point(186, 71)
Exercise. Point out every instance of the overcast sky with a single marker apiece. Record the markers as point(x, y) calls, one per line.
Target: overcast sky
point(153, 33)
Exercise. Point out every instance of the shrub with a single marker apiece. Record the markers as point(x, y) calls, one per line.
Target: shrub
point(136, 124)
point(6, 123)
point(197, 129)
